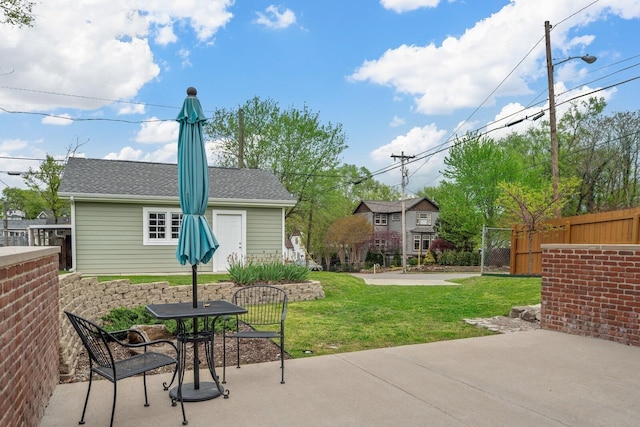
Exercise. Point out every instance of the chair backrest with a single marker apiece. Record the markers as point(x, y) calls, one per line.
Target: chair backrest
point(266, 305)
point(95, 340)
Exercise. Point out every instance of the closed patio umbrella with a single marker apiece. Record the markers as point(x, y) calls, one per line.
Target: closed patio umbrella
point(196, 242)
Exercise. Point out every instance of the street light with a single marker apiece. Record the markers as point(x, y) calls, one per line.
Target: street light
point(555, 170)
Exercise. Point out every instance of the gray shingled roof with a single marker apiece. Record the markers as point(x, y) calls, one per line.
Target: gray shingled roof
point(97, 177)
point(377, 206)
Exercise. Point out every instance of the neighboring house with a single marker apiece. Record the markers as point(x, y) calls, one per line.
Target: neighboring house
point(295, 249)
point(125, 215)
point(16, 231)
point(420, 216)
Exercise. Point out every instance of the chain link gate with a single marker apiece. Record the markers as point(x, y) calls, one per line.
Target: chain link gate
point(496, 250)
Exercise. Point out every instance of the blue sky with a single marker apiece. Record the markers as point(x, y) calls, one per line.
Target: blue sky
point(399, 75)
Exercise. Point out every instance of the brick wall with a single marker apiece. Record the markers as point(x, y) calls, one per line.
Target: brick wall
point(88, 298)
point(592, 290)
point(28, 332)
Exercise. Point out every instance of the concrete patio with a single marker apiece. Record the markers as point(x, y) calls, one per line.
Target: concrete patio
point(537, 378)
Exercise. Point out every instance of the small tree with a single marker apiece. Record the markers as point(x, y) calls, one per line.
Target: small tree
point(534, 207)
point(46, 181)
point(28, 201)
point(348, 236)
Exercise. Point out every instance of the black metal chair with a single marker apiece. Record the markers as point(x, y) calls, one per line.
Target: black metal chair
point(267, 310)
point(102, 362)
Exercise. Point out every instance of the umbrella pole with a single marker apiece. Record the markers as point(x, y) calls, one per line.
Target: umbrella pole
point(196, 361)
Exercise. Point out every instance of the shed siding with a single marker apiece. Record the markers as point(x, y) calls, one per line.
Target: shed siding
point(264, 233)
point(109, 239)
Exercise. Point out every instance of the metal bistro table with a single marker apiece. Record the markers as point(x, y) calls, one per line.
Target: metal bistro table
point(196, 391)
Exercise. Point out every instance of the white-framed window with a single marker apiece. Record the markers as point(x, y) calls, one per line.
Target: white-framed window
point(423, 218)
point(396, 217)
point(426, 242)
point(380, 243)
point(416, 242)
point(161, 226)
point(380, 219)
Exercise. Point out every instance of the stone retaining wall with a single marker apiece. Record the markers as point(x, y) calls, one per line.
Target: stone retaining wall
point(88, 298)
point(592, 290)
point(28, 333)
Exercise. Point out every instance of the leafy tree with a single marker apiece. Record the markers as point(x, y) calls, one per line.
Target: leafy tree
point(28, 201)
point(348, 236)
point(294, 144)
point(46, 181)
point(534, 207)
point(474, 167)
point(17, 12)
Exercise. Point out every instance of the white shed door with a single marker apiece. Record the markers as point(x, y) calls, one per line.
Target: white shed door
point(228, 227)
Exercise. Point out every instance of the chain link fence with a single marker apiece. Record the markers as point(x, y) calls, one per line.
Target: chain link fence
point(496, 250)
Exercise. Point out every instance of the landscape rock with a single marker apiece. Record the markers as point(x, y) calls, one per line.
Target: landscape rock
point(521, 318)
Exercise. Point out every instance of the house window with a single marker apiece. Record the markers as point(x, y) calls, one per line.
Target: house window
point(380, 219)
point(423, 218)
point(425, 243)
point(421, 243)
point(380, 243)
point(395, 217)
point(161, 226)
point(416, 243)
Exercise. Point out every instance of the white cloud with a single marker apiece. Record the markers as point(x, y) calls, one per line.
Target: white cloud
point(104, 49)
point(168, 153)
point(132, 108)
point(156, 131)
point(9, 145)
point(400, 6)
point(275, 18)
point(126, 153)
point(397, 121)
point(59, 119)
point(165, 154)
point(184, 55)
point(462, 71)
point(418, 140)
point(165, 35)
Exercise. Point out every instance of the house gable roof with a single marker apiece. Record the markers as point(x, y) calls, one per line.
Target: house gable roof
point(98, 178)
point(377, 206)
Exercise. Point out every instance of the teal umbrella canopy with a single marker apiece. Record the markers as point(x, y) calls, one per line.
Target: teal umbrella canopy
point(196, 241)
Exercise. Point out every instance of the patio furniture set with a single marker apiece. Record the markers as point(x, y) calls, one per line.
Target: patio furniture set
point(261, 307)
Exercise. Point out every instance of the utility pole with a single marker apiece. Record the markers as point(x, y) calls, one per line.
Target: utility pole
point(403, 159)
point(240, 138)
point(555, 169)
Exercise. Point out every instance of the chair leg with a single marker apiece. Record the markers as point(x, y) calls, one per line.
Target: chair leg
point(224, 357)
point(86, 399)
point(113, 407)
point(144, 382)
point(282, 357)
point(238, 352)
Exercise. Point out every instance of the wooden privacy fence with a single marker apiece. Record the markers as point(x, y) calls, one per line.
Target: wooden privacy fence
point(615, 227)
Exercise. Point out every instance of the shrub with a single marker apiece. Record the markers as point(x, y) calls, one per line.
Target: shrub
point(429, 259)
point(270, 270)
point(373, 258)
point(397, 260)
point(123, 318)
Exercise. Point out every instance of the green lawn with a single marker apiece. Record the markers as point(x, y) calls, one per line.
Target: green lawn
point(355, 316)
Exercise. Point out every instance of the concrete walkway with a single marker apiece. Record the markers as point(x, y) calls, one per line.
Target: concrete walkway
point(412, 279)
point(538, 378)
